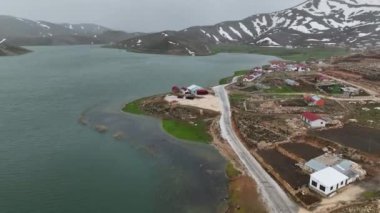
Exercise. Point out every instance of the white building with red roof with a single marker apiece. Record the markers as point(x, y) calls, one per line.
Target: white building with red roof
point(313, 120)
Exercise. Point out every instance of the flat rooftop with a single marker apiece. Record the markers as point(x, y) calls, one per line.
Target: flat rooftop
point(329, 176)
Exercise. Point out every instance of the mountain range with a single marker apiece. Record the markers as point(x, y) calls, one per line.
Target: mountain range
point(313, 23)
point(22, 32)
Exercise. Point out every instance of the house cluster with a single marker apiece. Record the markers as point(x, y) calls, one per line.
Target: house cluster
point(189, 92)
point(282, 66)
point(330, 173)
point(253, 74)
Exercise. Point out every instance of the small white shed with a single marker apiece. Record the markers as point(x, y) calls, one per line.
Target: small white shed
point(327, 181)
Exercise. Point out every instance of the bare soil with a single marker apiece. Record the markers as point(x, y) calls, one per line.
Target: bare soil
point(285, 167)
point(361, 138)
point(302, 150)
point(308, 198)
point(243, 192)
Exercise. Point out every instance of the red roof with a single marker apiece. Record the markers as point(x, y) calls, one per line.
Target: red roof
point(310, 116)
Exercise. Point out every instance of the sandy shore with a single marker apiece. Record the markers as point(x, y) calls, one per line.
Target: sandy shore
point(209, 102)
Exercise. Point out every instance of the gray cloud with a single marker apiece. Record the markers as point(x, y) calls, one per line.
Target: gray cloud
point(141, 15)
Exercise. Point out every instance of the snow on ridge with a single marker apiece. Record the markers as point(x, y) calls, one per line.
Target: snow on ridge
point(236, 32)
point(300, 28)
point(257, 27)
point(216, 39)
point(3, 40)
point(318, 26)
point(364, 2)
point(245, 29)
point(190, 52)
point(225, 34)
point(364, 34)
point(43, 25)
point(20, 19)
point(265, 22)
point(207, 34)
point(173, 43)
point(164, 34)
point(269, 40)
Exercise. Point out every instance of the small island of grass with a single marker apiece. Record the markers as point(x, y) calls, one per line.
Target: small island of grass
point(133, 107)
point(196, 132)
point(189, 130)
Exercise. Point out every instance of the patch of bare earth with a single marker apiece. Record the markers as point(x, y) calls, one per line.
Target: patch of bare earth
point(243, 193)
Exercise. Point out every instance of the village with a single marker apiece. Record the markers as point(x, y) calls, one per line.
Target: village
point(316, 134)
point(312, 126)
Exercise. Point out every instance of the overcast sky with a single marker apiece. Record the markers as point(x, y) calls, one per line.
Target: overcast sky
point(141, 15)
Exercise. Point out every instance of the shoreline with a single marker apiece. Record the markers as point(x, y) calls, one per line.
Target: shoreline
point(243, 195)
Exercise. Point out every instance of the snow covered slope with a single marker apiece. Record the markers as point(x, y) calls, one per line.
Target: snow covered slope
point(350, 23)
point(20, 31)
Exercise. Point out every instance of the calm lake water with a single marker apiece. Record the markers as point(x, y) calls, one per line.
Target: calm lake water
point(51, 163)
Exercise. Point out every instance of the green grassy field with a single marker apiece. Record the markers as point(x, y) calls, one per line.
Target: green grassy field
point(197, 132)
point(231, 172)
point(236, 97)
point(133, 107)
point(228, 79)
point(296, 54)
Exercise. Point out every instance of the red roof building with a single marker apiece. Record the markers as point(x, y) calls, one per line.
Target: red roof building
point(314, 100)
point(313, 120)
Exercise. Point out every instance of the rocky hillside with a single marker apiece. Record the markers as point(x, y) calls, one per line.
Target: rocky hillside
point(9, 50)
point(19, 31)
point(349, 23)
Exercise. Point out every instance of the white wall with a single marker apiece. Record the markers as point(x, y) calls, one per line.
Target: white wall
point(317, 123)
point(328, 189)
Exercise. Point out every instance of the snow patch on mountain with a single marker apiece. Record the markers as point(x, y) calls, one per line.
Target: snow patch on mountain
point(364, 34)
point(236, 32)
point(225, 34)
point(190, 52)
point(216, 39)
point(257, 28)
point(269, 41)
point(43, 25)
point(363, 2)
point(318, 26)
point(300, 28)
point(245, 29)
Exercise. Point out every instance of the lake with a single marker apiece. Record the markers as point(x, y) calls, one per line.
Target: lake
point(49, 162)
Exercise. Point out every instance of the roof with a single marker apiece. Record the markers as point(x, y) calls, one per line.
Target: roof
point(194, 87)
point(329, 176)
point(344, 167)
point(323, 161)
point(315, 165)
point(316, 97)
point(311, 116)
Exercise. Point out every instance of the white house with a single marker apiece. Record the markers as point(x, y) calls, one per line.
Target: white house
point(327, 181)
point(313, 120)
point(193, 88)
